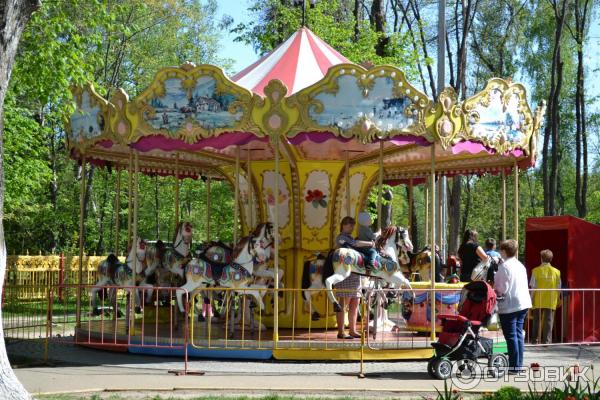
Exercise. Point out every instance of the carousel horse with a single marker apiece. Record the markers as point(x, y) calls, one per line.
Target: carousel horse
point(312, 282)
point(112, 272)
point(264, 233)
point(237, 275)
point(420, 265)
point(393, 242)
point(175, 258)
point(165, 264)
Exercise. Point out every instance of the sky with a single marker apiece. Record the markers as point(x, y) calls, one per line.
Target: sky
point(241, 54)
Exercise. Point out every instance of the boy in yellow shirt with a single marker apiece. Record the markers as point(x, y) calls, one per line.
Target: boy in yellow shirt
point(544, 301)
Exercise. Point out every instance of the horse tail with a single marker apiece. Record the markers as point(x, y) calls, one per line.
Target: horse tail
point(306, 275)
point(328, 266)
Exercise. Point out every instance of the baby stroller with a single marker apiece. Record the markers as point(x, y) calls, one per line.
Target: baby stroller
point(459, 345)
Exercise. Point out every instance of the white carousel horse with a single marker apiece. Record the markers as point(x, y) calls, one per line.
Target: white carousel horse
point(264, 234)
point(312, 282)
point(394, 242)
point(176, 258)
point(112, 272)
point(237, 275)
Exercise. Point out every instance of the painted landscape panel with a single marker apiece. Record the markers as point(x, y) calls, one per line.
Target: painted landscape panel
point(203, 105)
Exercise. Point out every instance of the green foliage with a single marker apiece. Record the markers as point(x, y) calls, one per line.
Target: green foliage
point(504, 393)
point(111, 44)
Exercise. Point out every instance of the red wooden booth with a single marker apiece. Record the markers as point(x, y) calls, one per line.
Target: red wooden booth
point(575, 243)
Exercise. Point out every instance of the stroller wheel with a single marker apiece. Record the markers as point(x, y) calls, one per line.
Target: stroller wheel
point(442, 368)
point(430, 367)
point(498, 365)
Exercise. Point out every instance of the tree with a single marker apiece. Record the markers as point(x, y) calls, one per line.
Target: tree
point(14, 16)
point(581, 11)
point(551, 146)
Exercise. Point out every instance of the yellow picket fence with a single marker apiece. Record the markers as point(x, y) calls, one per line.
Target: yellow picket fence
point(35, 274)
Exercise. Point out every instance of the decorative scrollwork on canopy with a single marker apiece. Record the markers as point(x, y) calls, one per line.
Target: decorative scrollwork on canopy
point(448, 112)
point(499, 117)
point(367, 104)
point(191, 102)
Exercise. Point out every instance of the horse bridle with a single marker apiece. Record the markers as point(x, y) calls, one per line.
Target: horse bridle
point(268, 232)
point(175, 245)
point(251, 251)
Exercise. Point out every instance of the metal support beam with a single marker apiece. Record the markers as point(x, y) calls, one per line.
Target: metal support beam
point(81, 238)
point(276, 239)
point(432, 242)
point(236, 209)
point(380, 188)
point(516, 199)
point(117, 211)
point(503, 204)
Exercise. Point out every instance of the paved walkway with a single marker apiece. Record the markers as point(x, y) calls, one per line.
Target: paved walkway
point(77, 369)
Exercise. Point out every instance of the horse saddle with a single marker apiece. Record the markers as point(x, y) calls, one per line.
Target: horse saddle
point(226, 272)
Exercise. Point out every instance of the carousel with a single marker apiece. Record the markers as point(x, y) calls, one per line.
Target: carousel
point(303, 136)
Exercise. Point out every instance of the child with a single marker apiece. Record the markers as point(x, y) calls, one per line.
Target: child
point(364, 247)
point(364, 228)
point(490, 248)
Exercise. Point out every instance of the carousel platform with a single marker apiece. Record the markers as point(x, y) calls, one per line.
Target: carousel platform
point(212, 341)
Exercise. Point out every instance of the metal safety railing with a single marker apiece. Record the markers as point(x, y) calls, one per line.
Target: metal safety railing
point(389, 320)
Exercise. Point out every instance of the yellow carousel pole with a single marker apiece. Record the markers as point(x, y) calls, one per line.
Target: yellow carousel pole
point(276, 239)
point(117, 209)
point(410, 206)
point(236, 211)
point(81, 238)
point(249, 183)
point(380, 183)
point(516, 199)
point(136, 190)
point(129, 199)
point(503, 204)
point(208, 205)
point(432, 273)
point(176, 189)
point(427, 183)
point(347, 173)
point(440, 209)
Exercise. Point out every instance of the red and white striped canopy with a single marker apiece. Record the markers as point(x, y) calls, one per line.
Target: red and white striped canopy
point(298, 62)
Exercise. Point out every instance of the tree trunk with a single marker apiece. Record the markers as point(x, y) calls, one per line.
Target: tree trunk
point(454, 205)
point(378, 22)
point(581, 171)
point(14, 15)
point(415, 8)
point(551, 137)
point(465, 220)
point(102, 216)
point(357, 19)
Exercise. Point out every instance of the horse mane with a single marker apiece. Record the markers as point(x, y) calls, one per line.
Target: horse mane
point(259, 227)
point(177, 229)
point(384, 237)
point(237, 250)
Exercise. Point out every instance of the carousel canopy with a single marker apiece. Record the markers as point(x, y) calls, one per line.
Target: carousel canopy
point(193, 120)
point(299, 62)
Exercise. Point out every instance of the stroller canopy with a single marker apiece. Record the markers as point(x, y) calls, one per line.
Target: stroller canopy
point(478, 301)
